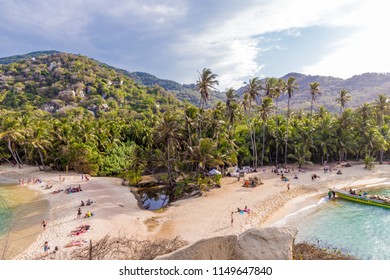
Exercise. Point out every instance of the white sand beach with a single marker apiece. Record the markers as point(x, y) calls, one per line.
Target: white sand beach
point(116, 211)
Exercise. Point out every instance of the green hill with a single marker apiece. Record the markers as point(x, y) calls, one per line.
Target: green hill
point(57, 82)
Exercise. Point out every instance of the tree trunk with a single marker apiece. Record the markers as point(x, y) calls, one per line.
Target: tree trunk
point(277, 134)
point(287, 130)
point(263, 150)
point(381, 157)
point(43, 164)
point(12, 152)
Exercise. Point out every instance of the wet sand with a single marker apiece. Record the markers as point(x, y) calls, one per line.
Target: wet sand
point(28, 209)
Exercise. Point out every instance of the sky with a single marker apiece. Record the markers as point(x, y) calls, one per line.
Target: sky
point(236, 39)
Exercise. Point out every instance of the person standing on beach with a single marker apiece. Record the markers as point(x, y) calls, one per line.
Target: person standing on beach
point(231, 219)
point(44, 224)
point(79, 213)
point(46, 248)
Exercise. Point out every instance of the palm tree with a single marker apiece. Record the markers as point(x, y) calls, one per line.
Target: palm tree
point(265, 110)
point(231, 106)
point(251, 93)
point(39, 140)
point(205, 154)
point(381, 105)
point(205, 83)
point(13, 135)
point(274, 88)
point(301, 155)
point(168, 134)
point(364, 111)
point(314, 91)
point(344, 97)
point(290, 87)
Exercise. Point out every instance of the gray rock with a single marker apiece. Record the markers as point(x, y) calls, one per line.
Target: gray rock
point(215, 248)
point(273, 243)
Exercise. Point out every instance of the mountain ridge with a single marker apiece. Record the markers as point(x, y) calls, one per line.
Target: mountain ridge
point(363, 87)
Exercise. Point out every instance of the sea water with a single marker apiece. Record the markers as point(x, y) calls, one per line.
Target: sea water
point(359, 230)
point(21, 211)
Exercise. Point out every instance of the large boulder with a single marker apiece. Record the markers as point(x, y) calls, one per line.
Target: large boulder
point(273, 243)
point(215, 248)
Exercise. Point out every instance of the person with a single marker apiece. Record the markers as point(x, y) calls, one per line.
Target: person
point(44, 224)
point(46, 248)
point(79, 213)
point(231, 219)
point(82, 203)
point(296, 176)
point(253, 183)
point(330, 194)
point(333, 194)
point(339, 172)
point(288, 187)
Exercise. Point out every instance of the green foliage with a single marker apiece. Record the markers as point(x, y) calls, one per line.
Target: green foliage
point(133, 176)
point(368, 162)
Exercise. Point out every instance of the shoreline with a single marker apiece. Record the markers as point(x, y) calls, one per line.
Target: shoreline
point(116, 211)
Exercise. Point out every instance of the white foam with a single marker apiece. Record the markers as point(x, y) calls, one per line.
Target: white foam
point(283, 221)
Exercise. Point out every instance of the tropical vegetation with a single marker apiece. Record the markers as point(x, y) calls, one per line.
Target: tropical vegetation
point(68, 112)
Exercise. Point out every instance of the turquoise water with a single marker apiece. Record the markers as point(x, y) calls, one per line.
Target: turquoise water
point(5, 211)
point(21, 212)
point(356, 229)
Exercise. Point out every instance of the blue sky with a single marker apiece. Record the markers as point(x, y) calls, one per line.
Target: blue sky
point(237, 40)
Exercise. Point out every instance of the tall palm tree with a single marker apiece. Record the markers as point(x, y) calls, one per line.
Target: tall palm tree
point(344, 97)
point(206, 82)
point(314, 91)
point(364, 112)
point(231, 106)
point(39, 140)
point(274, 88)
point(168, 135)
point(13, 135)
point(252, 92)
point(291, 85)
point(382, 103)
point(265, 110)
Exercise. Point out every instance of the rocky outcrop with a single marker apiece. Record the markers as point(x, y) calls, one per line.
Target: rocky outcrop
point(271, 243)
point(215, 248)
point(274, 243)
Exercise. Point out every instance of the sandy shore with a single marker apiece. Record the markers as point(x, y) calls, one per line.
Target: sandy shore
point(116, 211)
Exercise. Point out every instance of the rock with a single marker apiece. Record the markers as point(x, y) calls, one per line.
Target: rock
point(125, 182)
point(216, 248)
point(273, 243)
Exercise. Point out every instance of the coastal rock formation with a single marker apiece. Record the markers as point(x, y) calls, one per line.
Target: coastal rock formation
point(215, 248)
point(273, 243)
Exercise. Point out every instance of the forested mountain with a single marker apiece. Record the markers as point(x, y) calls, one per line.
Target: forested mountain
point(363, 88)
point(59, 82)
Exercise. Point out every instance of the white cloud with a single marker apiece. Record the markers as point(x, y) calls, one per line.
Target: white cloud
point(230, 48)
point(365, 50)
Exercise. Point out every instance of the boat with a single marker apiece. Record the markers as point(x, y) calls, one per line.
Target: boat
point(369, 200)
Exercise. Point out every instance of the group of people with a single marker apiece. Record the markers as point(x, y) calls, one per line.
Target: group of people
point(33, 180)
point(73, 190)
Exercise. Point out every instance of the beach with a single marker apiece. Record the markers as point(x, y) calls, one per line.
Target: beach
point(116, 211)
